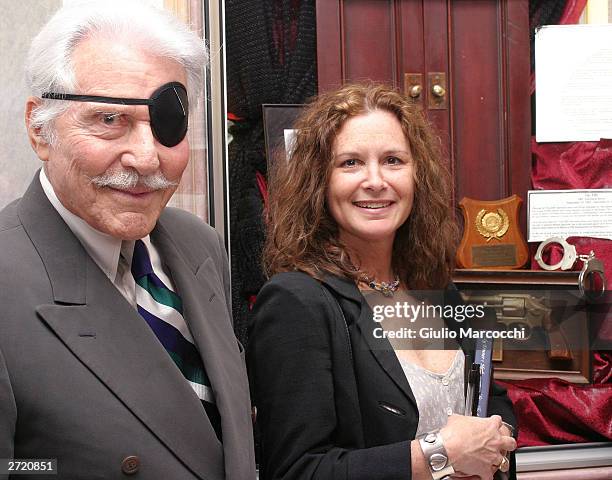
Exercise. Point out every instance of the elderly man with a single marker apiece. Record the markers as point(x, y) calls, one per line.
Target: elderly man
point(117, 353)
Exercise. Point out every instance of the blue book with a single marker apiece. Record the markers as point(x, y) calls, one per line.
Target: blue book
point(484, 351)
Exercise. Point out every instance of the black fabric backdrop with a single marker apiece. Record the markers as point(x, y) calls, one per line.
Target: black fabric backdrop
point(271, 58)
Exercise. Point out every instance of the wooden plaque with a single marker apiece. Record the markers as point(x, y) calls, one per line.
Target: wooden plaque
point(492, 238)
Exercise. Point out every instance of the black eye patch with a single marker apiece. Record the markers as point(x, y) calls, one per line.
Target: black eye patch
point(168, 109)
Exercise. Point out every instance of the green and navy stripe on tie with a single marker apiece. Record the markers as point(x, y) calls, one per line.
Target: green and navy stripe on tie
point(162, 309)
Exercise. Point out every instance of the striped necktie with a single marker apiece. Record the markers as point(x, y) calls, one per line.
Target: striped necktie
point(162, 309)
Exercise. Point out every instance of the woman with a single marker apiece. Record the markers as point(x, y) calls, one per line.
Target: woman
point(359, 217)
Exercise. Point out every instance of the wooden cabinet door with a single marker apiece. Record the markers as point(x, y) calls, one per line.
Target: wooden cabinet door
point(481, 46)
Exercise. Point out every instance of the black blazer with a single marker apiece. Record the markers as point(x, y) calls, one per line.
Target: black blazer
point(332, 404)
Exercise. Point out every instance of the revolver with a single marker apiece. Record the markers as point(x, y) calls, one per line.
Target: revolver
point(523, 310)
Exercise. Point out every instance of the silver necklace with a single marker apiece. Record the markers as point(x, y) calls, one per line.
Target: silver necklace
point(387, 289)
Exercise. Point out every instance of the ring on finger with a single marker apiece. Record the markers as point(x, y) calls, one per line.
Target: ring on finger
point(509, 427)
point(504, 465)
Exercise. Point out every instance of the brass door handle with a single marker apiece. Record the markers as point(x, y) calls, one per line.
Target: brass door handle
point(437, 98)
point(438, 90)
point(413, 87)
point(415, 91)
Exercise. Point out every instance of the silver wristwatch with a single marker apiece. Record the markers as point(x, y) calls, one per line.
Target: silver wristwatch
point(436, 456)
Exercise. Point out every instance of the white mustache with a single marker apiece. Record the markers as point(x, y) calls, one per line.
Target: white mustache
point(129, 179)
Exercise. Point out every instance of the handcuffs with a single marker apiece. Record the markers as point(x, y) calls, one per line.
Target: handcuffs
point(591, 266)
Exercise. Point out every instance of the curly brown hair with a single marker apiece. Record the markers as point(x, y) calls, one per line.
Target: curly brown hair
point(301, 233)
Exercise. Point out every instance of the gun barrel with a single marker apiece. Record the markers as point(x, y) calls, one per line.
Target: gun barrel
point(507, 306)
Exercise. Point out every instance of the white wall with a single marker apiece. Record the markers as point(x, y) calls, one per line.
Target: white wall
point(20, 21)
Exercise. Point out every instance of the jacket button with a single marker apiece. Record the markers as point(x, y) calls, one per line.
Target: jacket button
point(130, 465)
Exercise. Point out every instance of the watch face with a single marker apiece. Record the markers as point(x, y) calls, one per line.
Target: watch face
point(437, 461)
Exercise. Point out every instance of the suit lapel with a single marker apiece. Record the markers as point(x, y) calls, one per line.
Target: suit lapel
point(205, 311)
point(115, 343)
point(380, 348)
point(59, 249)
point(108, 336)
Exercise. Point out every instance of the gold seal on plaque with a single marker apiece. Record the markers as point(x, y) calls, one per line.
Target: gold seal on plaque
point(492, 224)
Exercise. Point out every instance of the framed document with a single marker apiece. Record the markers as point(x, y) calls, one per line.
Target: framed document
point(569, 213)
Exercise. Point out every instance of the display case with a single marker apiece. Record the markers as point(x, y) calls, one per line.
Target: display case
point(548, 305)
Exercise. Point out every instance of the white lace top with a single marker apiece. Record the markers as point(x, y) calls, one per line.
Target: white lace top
point(438, 395)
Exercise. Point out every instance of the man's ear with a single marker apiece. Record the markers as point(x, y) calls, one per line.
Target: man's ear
point(38, 142)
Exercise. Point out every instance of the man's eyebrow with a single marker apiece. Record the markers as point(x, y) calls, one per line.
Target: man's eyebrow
point(92, 109)
point(111, 114)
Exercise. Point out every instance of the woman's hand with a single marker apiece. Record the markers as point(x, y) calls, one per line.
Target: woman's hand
point(476, 446)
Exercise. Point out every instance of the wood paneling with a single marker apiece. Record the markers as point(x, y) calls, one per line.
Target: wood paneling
point(410, 37)
point(436, 59)
point(518, 107)
point(330, 59)
point(369, 27)
point(478, 100)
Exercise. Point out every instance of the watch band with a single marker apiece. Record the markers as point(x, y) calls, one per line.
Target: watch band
point(436, 456)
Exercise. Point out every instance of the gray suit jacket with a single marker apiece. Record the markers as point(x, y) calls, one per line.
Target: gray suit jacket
point(83, 378)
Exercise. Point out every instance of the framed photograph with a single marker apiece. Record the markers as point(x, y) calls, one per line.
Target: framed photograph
point(278, 121)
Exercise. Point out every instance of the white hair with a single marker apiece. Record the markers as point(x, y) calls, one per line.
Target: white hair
point(49, 66)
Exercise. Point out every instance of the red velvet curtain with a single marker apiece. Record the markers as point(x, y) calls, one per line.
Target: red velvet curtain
point(553, 411)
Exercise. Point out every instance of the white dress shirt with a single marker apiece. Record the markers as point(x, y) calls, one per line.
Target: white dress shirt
point(105, 250)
